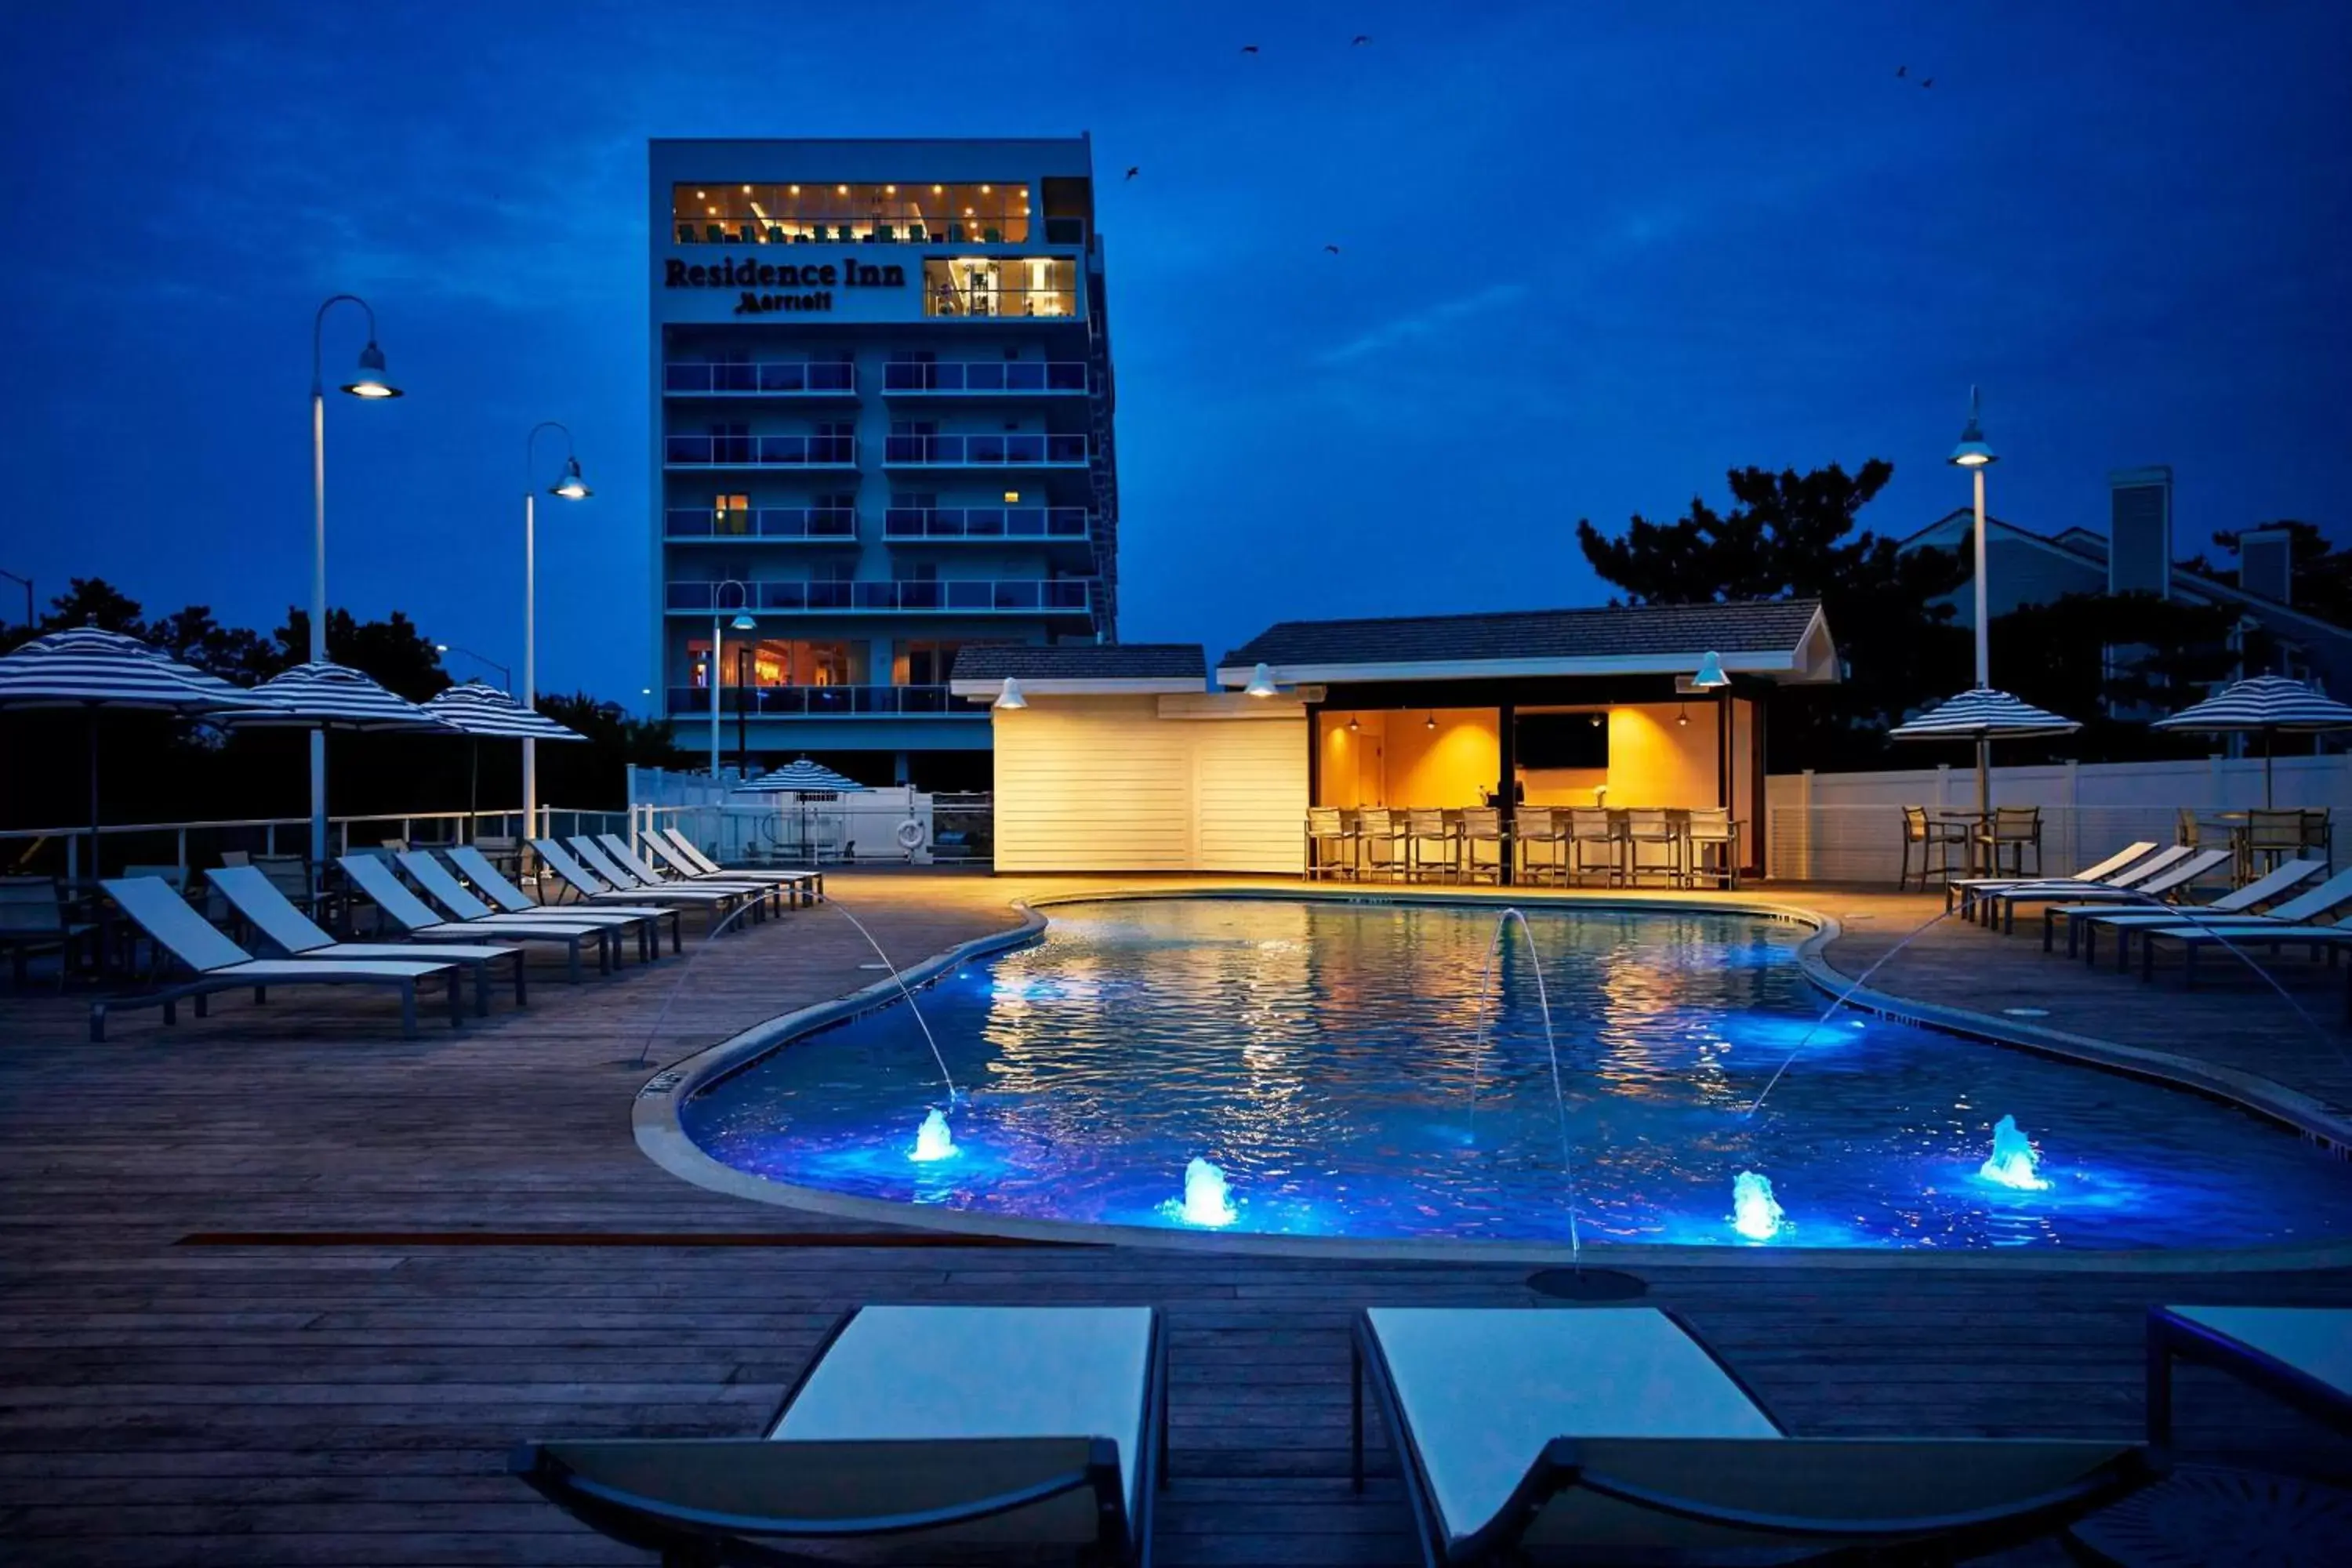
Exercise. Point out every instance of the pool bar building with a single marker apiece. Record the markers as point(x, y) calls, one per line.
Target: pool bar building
point(1138, 758)
point(882, 434)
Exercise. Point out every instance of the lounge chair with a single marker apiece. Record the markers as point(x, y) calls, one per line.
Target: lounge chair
point(591, 854)
point(493, 885)
point(441, 885)
point(2085, 920)
point(585, 884)
point(680, 872)
point(933, 1428)
point(1616, 1431)
point(2145, 893)
point(2302, 1355)
point(2159, 873)
point(416, 918)
point(680, 853)
point(221, 965)
point(2291, 924)
point(295, 934)
point(1963, 890)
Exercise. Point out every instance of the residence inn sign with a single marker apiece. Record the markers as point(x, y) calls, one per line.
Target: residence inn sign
point(813, 283)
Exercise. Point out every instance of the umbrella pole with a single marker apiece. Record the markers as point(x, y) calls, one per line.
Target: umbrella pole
point(1984, 799)
point(2267, 801)
point(473, 787)
point(94, 872)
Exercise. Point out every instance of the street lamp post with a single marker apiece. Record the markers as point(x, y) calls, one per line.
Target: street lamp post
point(28, 582)
point(367, 381)
point(570, 488)
point(742, 623)
point(1975, 455)
point(506, 676)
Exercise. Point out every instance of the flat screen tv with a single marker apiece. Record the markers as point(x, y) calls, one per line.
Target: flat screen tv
point(1562, 740)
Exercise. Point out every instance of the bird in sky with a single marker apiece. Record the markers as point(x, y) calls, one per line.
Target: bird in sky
point(1902, 70)
point(1249, 48)
point(1332, 248)
point(1927, 81)
point(1360, 40)
point(1133, 170)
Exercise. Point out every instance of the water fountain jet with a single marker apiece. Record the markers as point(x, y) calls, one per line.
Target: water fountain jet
point(1207, 1201)
point(1754, 1213)
point(933, 1141)
point(2013, 1161)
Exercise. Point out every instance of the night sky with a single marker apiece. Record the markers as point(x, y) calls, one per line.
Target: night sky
point(1592, 255)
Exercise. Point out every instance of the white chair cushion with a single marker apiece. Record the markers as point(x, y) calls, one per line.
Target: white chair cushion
point(2315, 1340)
point(984, 1371)
point(1483, 1391)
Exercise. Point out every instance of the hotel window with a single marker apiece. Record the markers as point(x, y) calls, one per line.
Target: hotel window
point(773, 661)
point(731, 514)
point(988, 285)
point(822, 212)
point(923, 663)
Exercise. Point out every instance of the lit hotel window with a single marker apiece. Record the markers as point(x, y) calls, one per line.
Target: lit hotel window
point(991, 214)
point(983, 286)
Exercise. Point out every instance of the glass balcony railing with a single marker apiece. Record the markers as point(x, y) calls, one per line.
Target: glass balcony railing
point(762, 451)
point(985, 376)
point(985, 451)
point(827, 701)
point(776, 378)
point(953, 596)
point(985, 522)
point(813, 522)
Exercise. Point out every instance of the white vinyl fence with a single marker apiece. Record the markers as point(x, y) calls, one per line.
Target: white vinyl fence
point(895, 826)
point(1848, 827)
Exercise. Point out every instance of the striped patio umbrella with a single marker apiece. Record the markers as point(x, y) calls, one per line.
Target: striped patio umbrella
point(482, 709)
point(2264, 705)
point(1982, 715)
point(90, 669)
point(801, 776)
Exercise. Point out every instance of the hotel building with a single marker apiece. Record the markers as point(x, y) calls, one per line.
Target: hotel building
point(882, 435)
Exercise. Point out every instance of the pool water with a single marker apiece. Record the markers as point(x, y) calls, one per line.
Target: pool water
point(1327, 1057)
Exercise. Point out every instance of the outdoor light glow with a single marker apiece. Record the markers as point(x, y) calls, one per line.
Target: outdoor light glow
point(1972, 452)
point(1430, 722)
point(1710, 676)
point(932, 1140)
point(1009, 696)
point(1207, 1201)
point(1260, 684)
point(2013, 1161)
point(572, 487)
point(369, 380)
point(744, 624)
point(1754, 1211)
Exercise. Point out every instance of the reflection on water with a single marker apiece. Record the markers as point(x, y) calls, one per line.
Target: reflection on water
point(1321, 1056)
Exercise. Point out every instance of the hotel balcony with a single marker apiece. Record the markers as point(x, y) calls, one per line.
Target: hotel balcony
point(945, 383)
point(827, 701)
point(761, 451)
point(818, 381)
point(985, 525)
point(1031, 597)
point(779, 524)
point(1016, 451)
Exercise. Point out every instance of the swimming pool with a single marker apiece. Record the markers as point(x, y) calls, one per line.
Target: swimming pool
point(1330, 1060)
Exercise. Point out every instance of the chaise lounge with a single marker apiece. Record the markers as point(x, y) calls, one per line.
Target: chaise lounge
point(493, 885)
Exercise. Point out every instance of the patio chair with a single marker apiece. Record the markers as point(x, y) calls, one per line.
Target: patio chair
point(33, 919)
point(1539, 840)
point(937, 1429)
point(797, 885)
point(2270, 836)
point(1610, 1432)
point(442, 886)
point(689, 858)
point(1934, 838)
point(2141, 891)
point(2319, 833)
point(1590, 827)
point(1331, 843)
point(1711, 847)
point(594, 855)
point(1650, 826)
point(584, 885)
point(1431, 842)
point(276, 920)
point(1379, 839)
point(2084, 921)
point(221, 965)
point(2015, 829)
point(2136, 864)
point(376, 883)
point(1483, 824)
point(512, 899)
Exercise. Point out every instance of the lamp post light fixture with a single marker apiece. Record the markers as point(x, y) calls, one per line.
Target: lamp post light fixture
point(570, 488)
point(1974, 455)
point(506, 676)
point(28, 582)
point(368, 381)
point(742, 623)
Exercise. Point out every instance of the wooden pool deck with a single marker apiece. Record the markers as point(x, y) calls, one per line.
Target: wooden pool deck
point(469, 1248)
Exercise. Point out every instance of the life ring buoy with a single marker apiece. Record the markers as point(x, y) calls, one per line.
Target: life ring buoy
point(910, 835)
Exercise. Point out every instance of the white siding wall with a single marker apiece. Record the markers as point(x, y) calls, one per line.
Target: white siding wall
point(1114, 783)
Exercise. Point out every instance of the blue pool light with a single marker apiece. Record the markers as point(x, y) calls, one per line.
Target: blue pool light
point(933, 1141)
point(2013, 1161)
point(1207, 1202)
point(1755, 1214)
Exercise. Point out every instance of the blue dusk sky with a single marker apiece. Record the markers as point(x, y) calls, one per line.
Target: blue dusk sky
point(1592, 255)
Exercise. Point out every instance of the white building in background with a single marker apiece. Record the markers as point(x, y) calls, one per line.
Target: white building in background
point(882, 398)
